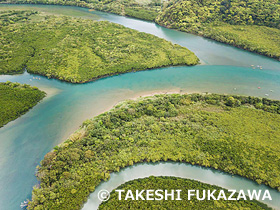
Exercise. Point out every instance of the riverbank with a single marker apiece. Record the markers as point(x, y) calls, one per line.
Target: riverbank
point(82, 50)
point(25, 141)
point(181, 200)
point(118, 97)
point(257, 39)
point(180, 170)
point(16, 100)
point(145, 11)
point(256, 30)
point(50, 92)
point(199, 129)
point(227, 35)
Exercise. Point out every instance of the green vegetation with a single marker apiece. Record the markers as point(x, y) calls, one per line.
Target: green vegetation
point(193, 14)
point(260, 39)
point(173, 183)
point(16, 100)
point(77, 50)
point(239, 23)
point(233, 22)
point(214, 19)
point(143, 9)
point(13, 56)
point(236, 134)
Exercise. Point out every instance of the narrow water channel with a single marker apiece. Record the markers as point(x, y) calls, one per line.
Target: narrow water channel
point(182, 170)
point(25, 141)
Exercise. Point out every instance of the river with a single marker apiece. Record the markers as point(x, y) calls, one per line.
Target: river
point(25, 141)
point(182, 170)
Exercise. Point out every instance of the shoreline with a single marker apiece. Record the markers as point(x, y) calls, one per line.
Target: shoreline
point(131, 95)
point(120, 73)
point(81, 132)
point(50, 92)
point(134, 96)
point(194, 33)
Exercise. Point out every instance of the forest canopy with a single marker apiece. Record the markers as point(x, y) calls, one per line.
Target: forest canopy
point(236, 134)
point(171, 183)
point(234, 22)
point(77, 50)
point(192, 13)
point(16, 100)
point(244, 24)
point(253, 25)
point(146, 10)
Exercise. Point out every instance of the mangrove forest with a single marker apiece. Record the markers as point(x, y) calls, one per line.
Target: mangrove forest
point(235, 134)
point(253, 25)
point(17, 99)
point(77, 50)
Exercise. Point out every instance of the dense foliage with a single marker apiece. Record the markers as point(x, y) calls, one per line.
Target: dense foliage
point(192, 13)
point(236, 134)
point(77, 50)
point(259, 39)
point(17, 99)
point(11, 17)
point(187, 12)
point(173, 183)
point(13, 55)
point(146, 10)
point(233, 22)
point(214, 19)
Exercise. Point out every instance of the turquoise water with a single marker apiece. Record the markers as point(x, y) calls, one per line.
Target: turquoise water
point(25, 141)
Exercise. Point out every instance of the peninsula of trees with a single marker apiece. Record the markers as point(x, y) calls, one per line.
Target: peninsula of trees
point(236, 134)
point(77, 50)
point(16, 100)
point(171, 183)
point(253, 25)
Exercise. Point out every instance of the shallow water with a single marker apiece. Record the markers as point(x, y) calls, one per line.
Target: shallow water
point(25, 141)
